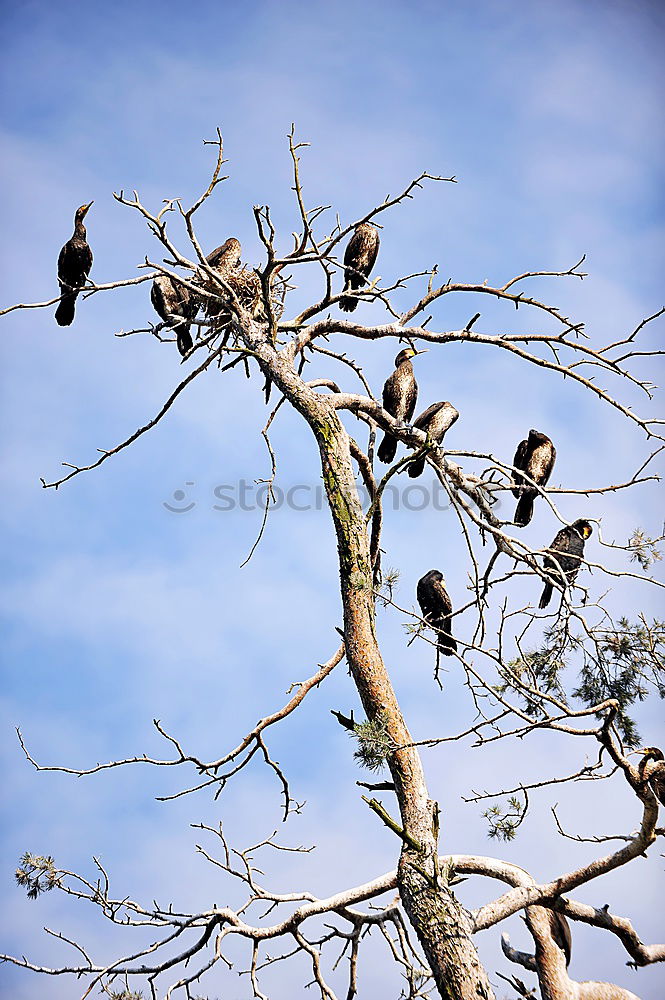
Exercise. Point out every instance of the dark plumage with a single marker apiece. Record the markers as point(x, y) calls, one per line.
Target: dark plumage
point(566, 550)
point(435, 421)
point(535, 457)
point(436, 608)
point(560, 930)
point(74, 263)
point(400, 394)
point(172, 299)
point(359, 260)
point(652, 769)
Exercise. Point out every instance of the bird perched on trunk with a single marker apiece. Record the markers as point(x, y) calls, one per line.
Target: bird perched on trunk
point(171, 299)
point(359, 259)
point(436, 608)
point(564, 556)
point(434, 421)
point(535, 456)
point(400, 394)
point(652, 770)
point(74, 263)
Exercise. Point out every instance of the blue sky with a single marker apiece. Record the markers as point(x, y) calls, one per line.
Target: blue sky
point(116, 611)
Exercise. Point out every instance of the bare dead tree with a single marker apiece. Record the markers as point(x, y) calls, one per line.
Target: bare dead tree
point(512, 659)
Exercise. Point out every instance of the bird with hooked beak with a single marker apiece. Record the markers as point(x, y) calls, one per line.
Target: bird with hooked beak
point(564, 557)
point(400, 395)
point(74, 263)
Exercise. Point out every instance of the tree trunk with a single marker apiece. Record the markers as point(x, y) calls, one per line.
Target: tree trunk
point(439, 920)
point(441, 923)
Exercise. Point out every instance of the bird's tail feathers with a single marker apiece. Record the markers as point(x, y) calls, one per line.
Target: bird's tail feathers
point(447, 644)
point(387, 449)
point(524, 511)
point(184, 339)
point(546, 595)
point(348, 304)
point(416, 468)
point(64, 314)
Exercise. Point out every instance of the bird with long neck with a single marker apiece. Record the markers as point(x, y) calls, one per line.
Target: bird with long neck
point(400, 395)
point(74, 263)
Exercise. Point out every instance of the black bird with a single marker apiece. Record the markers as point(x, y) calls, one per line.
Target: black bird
point(560, 931)
point(74, 263)
point(436, 608)
point(400, 394)
point(435, 421)
point(567, 551)
point(536, 457)
point(171, 299)
point(359, 259)
point(654, 774)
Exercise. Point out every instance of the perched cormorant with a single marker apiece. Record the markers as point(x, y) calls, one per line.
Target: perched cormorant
point(535, 456)
point(655, 774)
point(170, 299)
point(223, 259)
point(243, 281)
point(568, 549)
point(400, 394)
point(74, 263)
point(436, 608)
point(359, 259)
point(435, 421)
point(226, 257)
point(560, 931)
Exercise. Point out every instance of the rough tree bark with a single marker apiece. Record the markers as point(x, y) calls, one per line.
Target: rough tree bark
point(550, 966)
point(440, 921)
